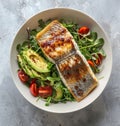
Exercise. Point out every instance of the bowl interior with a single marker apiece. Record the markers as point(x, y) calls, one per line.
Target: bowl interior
point(82, 19)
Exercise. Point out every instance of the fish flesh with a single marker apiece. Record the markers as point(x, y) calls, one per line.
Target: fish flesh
point(58, 45)
point(56, 41)
point(77, 76)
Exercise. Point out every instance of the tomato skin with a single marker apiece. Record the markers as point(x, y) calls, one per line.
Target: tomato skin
point(23, 76)
point(99, 60)
point(45, 91)
point(34, 89)
point(33, 81)
point(90, 63)
point(83, 30)
point(101, 57)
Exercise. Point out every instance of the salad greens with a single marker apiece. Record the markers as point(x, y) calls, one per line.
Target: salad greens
point(89, 45)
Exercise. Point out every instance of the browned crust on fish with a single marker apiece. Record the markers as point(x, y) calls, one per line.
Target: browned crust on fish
point(58, 44)
point(47, 28)
point(79, 74)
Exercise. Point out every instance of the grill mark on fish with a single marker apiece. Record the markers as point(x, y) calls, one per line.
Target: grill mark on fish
point(54, 44)
point(82, 86)
point(72, 69)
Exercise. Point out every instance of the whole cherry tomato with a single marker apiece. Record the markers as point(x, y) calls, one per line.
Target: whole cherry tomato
point(83, 30)
point(23, 76)
point(34, 89)
point(45, 91)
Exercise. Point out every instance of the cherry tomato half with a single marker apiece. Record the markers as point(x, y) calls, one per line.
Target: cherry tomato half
point(90, 62)
point(45, 91)
point(34, 89)
point(99, 59)
point(83, 30)
point(23, 76)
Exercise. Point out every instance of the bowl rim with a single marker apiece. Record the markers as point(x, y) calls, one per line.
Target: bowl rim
point(52, 9)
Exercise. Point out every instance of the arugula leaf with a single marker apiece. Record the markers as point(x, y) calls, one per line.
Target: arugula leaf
point(99, 43)
point(41, 23)
point(18, 48)
point(48, 101)
point(92, 37)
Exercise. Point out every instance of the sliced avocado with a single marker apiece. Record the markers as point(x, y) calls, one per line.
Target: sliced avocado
point(36, 74)
point(24, 66)
point(29, 71)
point(59, 92)
point(35, 61)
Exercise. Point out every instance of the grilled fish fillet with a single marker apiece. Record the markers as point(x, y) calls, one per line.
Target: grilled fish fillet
point(59, 46)
point(77, 76)
point(56, 41)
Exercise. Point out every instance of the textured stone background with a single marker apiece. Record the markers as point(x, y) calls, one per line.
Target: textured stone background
point(15, 110)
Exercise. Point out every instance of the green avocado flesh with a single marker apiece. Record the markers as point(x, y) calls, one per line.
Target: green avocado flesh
point(35, 61)
point(59, 92)
point(27, 69)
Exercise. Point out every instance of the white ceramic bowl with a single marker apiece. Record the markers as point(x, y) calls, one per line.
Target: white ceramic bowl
point(82, 19)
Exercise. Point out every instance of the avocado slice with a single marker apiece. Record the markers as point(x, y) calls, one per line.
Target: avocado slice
point(23, 66)
point(29, 71)
point(36, 62)
point(36, 74)
point(59, 92)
